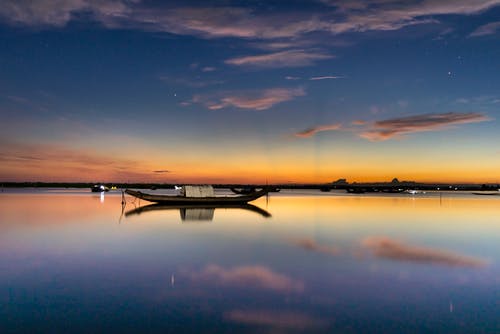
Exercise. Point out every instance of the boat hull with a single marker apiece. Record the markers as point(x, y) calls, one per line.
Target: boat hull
point(179, 200)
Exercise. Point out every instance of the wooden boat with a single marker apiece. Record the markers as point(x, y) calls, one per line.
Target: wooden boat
point(180, 199)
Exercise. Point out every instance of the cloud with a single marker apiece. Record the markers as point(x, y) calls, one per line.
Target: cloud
point(30, 161)
point(387, 129)
point(358, 122)
point(383, 15)
point(275, 319)
point(240, 22)
point(289, 77)
point(161, 171)
point(479, 100)
point(387, 248)
point(313, 246)
point(208, 69)
point(487, 29)
point(58, 13)
point(289, 58)
point(326, 77)
point(256, 100)
point(254, 276)
point(313, 131)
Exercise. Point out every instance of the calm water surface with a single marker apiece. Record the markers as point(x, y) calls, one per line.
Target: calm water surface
point(296, 262)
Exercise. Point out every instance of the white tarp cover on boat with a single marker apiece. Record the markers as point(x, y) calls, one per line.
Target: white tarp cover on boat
point(198, 191)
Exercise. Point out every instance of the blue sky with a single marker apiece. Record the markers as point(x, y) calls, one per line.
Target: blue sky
point(250, 91)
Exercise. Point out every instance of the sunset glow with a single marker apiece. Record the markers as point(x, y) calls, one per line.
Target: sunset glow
point(249, 92)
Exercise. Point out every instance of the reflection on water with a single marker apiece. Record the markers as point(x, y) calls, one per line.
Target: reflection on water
point(197, 212)
point(322, 263)
point(395, 250)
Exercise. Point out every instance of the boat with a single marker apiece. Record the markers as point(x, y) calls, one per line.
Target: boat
point(414, 191)
point(197, 195)
point(98, 188)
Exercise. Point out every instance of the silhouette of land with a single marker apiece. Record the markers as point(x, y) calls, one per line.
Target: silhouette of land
point(394, 186)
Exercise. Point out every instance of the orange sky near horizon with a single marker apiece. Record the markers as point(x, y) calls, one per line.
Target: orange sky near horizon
point(254, 170)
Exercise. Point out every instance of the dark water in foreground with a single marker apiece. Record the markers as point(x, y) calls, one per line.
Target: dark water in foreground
point(321, 263)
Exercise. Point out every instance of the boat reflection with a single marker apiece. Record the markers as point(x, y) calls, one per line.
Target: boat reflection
point(196, 212)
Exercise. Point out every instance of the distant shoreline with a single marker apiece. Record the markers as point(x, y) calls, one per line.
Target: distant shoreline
point(319, 186)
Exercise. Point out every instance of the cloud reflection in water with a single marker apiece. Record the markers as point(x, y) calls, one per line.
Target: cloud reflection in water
point(311, 245)
point(256, 276)
point(388, 248)
point(275, 319)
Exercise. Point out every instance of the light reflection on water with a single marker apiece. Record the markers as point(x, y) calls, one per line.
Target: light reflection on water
point(299, 261)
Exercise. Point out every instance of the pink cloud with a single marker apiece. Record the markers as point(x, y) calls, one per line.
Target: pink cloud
point(31, 161)
point(321, 128)
point(396, 127)
point(255, 276)
point(256, 100)
point(391, 249)
point(289, 58)
point(358, 122)
point(487, 29)
point(241, 22)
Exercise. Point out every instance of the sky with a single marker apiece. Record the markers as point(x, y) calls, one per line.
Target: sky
point(298, 91)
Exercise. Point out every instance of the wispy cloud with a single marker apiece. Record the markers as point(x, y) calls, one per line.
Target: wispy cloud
point(358, 122)
point(321, 128)
point(479, 100)
point(393, 15)
point(278, 320)
point(208, 69)
point(326, 77)
point(59, 13)
point(396, 127)
point(487, 29)
point(289, 58)
point(311, 245)
point(391, 249)
point(256, 100)
point(240, 22)
point(254, 276)
point(25, 161)
point(161, 171)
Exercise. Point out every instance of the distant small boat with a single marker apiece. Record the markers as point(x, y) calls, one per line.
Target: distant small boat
point(197, 195)
point(414, 191)
point(99, 188)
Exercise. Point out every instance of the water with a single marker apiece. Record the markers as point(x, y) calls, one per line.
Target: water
point(301, 262)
